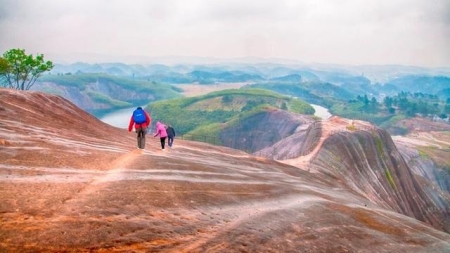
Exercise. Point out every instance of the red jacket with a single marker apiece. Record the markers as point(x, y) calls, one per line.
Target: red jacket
point(136, 125)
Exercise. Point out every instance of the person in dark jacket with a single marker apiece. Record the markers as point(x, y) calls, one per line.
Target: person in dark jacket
point(170, 135)
point(140, 119)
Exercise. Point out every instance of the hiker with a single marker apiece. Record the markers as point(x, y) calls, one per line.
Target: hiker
point(170, 135)
point(161, 131)
point(141, 120)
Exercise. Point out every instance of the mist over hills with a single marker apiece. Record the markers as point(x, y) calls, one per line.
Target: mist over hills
point(344, 186)
point(265, 67)
point(105, 87)
point(374, 80)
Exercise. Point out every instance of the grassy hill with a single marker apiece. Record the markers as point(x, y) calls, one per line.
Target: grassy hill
point(97, 93)
point(209, 114)
point(82, 81)
point(321, 93)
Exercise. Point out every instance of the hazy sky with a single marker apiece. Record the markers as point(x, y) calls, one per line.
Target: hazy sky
point(408, 32)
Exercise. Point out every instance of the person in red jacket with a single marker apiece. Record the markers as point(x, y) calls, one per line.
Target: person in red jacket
point(140, 119)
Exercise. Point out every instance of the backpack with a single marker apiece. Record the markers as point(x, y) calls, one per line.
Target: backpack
point(139, 116)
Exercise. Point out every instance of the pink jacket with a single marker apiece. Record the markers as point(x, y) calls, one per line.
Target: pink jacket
point(160, 130)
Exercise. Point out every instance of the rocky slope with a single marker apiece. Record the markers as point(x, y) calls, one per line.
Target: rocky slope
point(72, 183)
point(365, 159)
point(428, 156)
point(263, 129)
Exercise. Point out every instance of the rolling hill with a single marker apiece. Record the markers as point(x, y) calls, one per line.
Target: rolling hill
point(90, 189)
point(98, 93)
point(216, 114)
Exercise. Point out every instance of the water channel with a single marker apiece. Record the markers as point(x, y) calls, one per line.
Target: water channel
point(121, 118)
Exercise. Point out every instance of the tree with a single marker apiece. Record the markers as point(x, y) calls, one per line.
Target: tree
point(388, 101)
point(19, 70)
point(4, 66)
point(366, 100)
point(227, 99)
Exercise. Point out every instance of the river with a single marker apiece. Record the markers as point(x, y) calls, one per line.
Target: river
point(321, 112)
point(121, 118)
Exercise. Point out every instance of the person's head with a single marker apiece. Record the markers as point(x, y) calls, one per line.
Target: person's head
point(139, 108)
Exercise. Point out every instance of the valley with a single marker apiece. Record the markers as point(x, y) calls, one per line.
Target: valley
point(225, 126)
point(266, 174)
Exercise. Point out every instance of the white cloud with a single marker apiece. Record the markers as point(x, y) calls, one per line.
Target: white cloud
point(414, 32)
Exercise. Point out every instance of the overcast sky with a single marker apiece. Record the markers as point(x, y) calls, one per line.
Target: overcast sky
point(407, 32)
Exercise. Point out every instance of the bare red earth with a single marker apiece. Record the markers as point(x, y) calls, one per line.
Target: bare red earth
point(71, 183)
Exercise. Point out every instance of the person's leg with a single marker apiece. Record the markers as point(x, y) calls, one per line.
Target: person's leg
point(169, 141)
point(138, 133)
point(141, 140)
point(144, 131)
point(163, 142)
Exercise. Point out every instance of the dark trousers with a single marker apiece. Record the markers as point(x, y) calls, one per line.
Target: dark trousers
point(163, 142)
point(170, 140)
point(141, 137)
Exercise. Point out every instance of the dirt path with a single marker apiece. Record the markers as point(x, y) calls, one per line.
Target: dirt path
point(329, 127)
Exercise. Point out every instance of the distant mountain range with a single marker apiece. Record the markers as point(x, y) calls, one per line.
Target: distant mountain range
point(96, 86)
point(330, 73)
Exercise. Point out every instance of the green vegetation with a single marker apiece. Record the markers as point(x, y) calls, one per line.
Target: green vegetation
point(380, 151)
point(20, 71)
point(102, 98)
point(392, 109)
point(379, 145)
point(423, 154)
point(356, 110)
point(351, 128)
point(440, 156)
point(386, 113)
point(174, 112)
point(390, 179)
point(392, 120)
point(207, 114)
point(80, 81)
point(321, 93)
point(114, 92)
point(210, 133)
point(413, 83)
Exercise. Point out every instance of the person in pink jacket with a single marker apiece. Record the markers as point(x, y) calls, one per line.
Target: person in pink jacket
point(161, 131)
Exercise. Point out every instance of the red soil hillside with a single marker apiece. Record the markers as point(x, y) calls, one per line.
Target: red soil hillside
point(69, 182)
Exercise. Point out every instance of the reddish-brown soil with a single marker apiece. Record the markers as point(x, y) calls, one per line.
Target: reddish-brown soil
point(70, 183)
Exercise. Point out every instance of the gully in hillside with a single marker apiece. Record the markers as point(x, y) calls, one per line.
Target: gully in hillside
point(141, 120)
